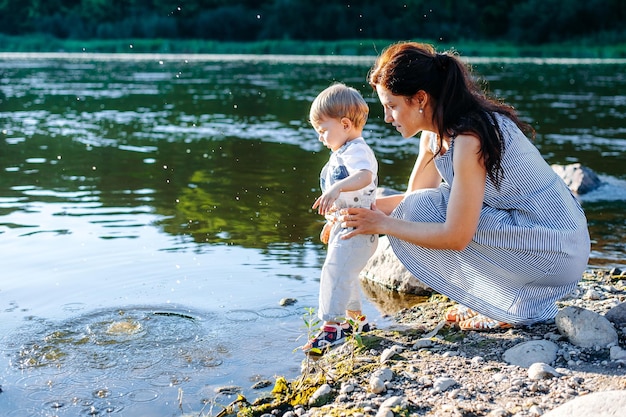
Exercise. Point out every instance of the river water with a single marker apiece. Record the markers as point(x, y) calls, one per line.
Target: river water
point(154, 210)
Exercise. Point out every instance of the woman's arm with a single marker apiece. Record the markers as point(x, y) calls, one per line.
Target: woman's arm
point(389, 202)
point(463, 211)
point(423, 175)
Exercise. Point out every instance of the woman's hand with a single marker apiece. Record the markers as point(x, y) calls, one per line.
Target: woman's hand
point(362, 221)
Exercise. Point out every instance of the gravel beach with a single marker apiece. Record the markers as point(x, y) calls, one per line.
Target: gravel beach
point(420, 366)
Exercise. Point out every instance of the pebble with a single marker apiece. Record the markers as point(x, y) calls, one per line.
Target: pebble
point(346, 388)
point(477, 360)
point(540, 370)
point(422, 343)
point(390, 353)
point(228, 390)
point(377, 383)
point(616, 353)
point(287, 301)
point(443, 383)
point(262, 384)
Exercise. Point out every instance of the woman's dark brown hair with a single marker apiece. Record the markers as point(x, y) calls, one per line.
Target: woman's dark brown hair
point(460, 106)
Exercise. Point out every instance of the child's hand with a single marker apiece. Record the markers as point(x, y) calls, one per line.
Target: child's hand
point(325, 233)
point(324, 203)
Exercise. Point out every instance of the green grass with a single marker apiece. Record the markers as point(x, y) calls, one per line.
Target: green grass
point(39, 43)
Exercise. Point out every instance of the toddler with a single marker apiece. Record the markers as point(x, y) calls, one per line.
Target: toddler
point(349, 179)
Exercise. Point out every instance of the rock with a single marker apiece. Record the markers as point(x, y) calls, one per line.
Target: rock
point(527, 353)
point(385, 269)
point(391, 402)
point(585, 328)
point(578, 178)
point(422, 343)
point(386, 407)
point(378, 379)
point(598, 404)
point(443, 383)
point(390, 353)
point(377, 385)
point(384, 412)
point(287, 301)
point(385, 374)
point(617, 315)
point(592, 294)
point(262, 384)
point(498, 412)
point(539, 370)
point(346, 388)
point(228, 390)
point(477, 360)
point(617, 354)
point(321, 395)
point(499, 377)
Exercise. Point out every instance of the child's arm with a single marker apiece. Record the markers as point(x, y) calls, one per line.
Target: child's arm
point(353, 182)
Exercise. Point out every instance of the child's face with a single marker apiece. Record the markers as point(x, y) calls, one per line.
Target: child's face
point(332, 132)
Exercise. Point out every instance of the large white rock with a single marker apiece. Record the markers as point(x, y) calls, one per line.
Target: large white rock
point(598, 404)
point(585, 328)
point(578, 178)
point(617, 315)
point(385, 269)
point(527, 353)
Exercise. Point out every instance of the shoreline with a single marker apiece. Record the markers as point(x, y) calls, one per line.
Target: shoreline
point(343, 47)
point(420, 367)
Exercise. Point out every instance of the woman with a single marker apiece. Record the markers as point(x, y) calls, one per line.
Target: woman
point(485, 220)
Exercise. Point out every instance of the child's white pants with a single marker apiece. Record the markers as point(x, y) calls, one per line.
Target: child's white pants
point(340, 289)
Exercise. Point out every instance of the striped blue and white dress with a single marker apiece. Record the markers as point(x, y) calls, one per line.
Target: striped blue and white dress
point(531, 246)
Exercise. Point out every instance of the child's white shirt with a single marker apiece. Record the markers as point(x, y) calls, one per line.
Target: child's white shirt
point(354, 156)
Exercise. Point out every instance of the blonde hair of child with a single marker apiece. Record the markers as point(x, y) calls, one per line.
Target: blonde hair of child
point(338, 101)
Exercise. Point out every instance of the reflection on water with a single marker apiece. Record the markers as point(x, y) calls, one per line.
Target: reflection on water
point(220, 148)
point(131, 186)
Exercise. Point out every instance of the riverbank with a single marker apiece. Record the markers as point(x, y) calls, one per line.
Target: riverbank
point(368, 47)
point(420, 368)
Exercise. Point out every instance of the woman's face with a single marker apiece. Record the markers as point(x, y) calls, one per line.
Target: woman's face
point(402, 113)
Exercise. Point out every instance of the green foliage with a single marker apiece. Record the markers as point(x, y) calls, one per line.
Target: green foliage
point(527, 22)
point(311, 324)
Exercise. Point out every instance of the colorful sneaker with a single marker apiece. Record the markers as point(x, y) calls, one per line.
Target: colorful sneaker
point(330, 335)
point(357, 325)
